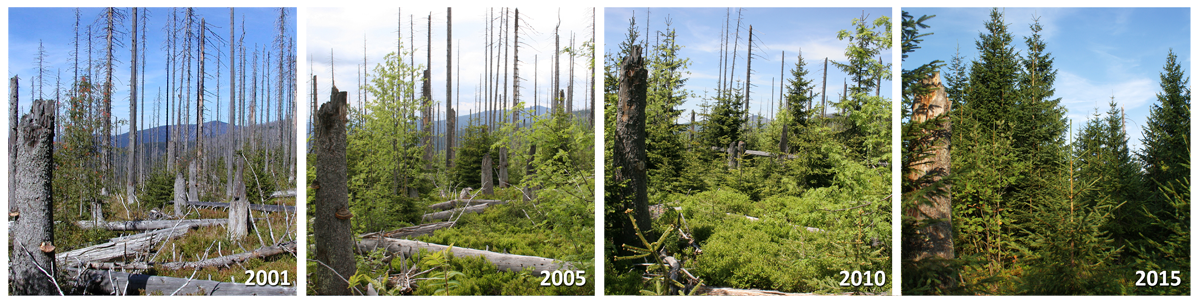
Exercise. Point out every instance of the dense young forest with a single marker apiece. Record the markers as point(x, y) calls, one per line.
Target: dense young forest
point(181, 192)
point(1000, 196)
point(496, 202)
point(730, 204)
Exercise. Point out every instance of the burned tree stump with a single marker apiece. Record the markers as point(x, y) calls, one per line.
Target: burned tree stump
point(33, 268)
point(935, 239)
point(629, 151)
point(485, 174)
point(331, 233)
point(239, 207)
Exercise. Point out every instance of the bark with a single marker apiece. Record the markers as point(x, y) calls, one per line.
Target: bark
point(230, 139)
point(509, 262)
point(147, 224)
point(32, 251)
point(13, 111)
point(193, 182)
point(463, 202)
point(332, 235)
point(503, 169)
point(100, 282)
point(445, 215)
point(485, 174)
point(239, 206)
point(180, 193)
point(411, 231)
point(122, 246)
point(449, 111)
point(130, 171)
point(935, 239)
point(824, 76)
point(630, 147)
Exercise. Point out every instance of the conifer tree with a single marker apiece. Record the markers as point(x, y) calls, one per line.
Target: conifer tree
point(1167, 131)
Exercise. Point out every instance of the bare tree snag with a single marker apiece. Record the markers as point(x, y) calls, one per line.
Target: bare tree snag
point(255, 207)
point(935, 239)
point(180, 194)
point(630, 146)
point(239, 206)
point(13, 111)
point(485, 174)
point(121, 246)
point(449, 111)
point(100, 282)
point(193, 181)
point(32, 252)
point(131, 155)
point(509, 262)
point(503, 169)
point(332, 235)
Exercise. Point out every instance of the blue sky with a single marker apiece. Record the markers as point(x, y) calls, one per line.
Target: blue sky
point(812, 30)
point(354, 32)
point(1099, 52)
point(54, 27)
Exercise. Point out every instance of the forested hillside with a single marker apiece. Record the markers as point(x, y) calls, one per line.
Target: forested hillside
point(1022, 203)
point(715, 203)
point(399, 204)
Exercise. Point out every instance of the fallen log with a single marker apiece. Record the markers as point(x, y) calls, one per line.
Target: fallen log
point(263, 252)
point(284, 194)
point(463, 202)
point(446, 214)
point(411, 231)
point(120, 246)
point(508, 262)
point(725, 291)
point(147, 224)
point(103, 282)
point(258, 207)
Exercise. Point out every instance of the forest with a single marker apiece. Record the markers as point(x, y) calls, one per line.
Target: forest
point(723, 202)
point(417, 193)
point(1004, 195)
point(163, 163)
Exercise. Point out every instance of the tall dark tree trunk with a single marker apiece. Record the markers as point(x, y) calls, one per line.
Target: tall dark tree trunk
point(749, 55)
point(449, 123)
point(334, 240)
point(230, 139)
point(130, 169)
point(13, 110)
point(630, 147)
point(33, 269)
point(106, 146)
point(427, 95)
point(824, 76)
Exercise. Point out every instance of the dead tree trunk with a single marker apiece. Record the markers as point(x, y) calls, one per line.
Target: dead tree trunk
point(193, 182)
point(180, 193)
point(749, 55)
point(121, 246)
point(239, 207)
point(332, 236)
point(101, 282)
point(449, 111)
point(509, 262)
point(824, 76)
point(630, 147)
point(33, 267)
point(13, 101)
point(936, 239)
point(485, 174)
point(131, 155)
point(427, 93)
point(462, 203)
point(447, 214)
point(147, 225)
point(411, 231)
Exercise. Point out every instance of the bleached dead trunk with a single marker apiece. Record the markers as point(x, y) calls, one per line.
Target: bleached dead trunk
point(148, 224)
point(121, 246)
point(509, 262)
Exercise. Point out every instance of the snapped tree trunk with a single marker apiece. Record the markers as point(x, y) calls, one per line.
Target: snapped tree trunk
point(193, 181)
point(180, 194)
point(936, 239)
point(32, 263)
point(630, 147)
point(485, 174)
point(121, 246)
point(239, 206)
point(332, 235)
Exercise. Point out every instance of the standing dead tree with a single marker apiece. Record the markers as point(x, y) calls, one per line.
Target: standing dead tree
point(130, 171)
point(449, 110)
point(334, 239)
point(630, 146)
point(13, 101)
point(936, 239)
point(239, 206)
point(33, 270)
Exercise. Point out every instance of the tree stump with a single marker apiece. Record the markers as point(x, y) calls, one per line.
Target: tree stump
point(239, 206)
point(935, 239)
point(503, 169)
point(32, 266)
point(180, 194)
point(193, 182)
point(485, 174)
point(331, 233)
point(629, 152)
